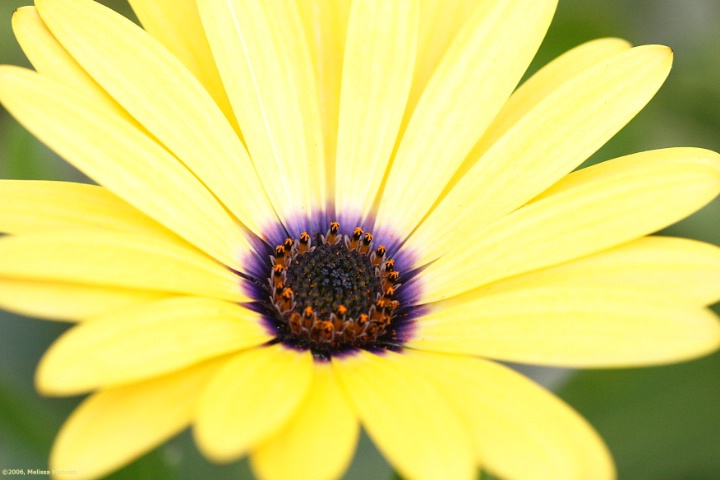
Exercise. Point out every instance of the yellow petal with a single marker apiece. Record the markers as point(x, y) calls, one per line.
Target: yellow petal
point(377, 71)
point(520, 430)
point(290, 30)
point(53, 61)
point(262, 56)
point(131, 165)
point(68, 301)
point(36, 205)
point(116, 259)
point(588, 211)
point(147, 341)
point(325, 23)
point(406, 416)
point(475, 77)
point(319, 440)
point(689, 159)
point(677, 268)
point(115, 426)
point(547, 80)
point(550, 140)
point(538, 87)
point(176, 24)
point(440, 22)
point(571, 327)
point(164, 97)
point(250, 400)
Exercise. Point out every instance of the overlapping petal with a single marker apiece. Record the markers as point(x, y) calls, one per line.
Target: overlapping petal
point(37, 205)
point(117, 425)
point(325, 23)
point(319, 440)
point(478, 72)
point(678, 268)
point(545, 81)
point(407, 418)
point(440, 22)
point(265, 64)
point(176, 24)
point(107, 148)
point(250, 400)
point(114, 259)
point(377, 71)
point(520, 430)
point(571, 326)
point(588, 211)
point(203, 140)
point(549, 141)
point(291, 33)
point(147, 341)
point(53, 61)
point(65, 301)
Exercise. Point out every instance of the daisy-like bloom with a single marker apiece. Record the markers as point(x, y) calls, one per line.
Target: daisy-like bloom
point(317, 215)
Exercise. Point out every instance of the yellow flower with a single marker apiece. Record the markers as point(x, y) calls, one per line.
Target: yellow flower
point(213, 289)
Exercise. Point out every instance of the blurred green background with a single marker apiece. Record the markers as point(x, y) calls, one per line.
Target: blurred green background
point(661, 423)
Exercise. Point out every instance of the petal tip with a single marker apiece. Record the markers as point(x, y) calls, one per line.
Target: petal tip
point(213, 450)
point(21, 12)
point(45, 381)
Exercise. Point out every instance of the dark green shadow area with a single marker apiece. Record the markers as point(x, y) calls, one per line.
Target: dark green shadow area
point(178, 459)
point(661, 423)
point(25, 429)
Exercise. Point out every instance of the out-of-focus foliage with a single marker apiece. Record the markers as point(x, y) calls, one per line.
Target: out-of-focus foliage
point(661, 423)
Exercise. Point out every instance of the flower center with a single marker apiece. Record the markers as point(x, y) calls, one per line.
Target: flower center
point(337, 295)
point(330, 277)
